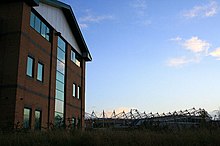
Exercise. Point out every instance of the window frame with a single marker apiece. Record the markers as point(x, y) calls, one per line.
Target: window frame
point(29, 118)
point(74, 90)
point(42, 79)
point(27, 67)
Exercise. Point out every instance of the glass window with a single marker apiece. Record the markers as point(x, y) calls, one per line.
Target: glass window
point(78, 62)
point(58, 119)
point(60, 77)
point(60, 66)
point(59, 86)
point(32, 19)
point(30, 66)
point(73, 56)
point(37, 24)
point(37, 125)
point(61, 44)
point(59, 106)
point(43, 30)
point(40, 72)
point(74, 90)
point(27, 118)
point(59, 95)
point(61, 55)
point(47, 34)
point(79, 92)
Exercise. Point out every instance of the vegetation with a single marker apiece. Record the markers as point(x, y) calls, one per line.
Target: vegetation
point(111, 137)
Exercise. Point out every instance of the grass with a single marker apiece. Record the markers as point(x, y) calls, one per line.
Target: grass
point(109, 137)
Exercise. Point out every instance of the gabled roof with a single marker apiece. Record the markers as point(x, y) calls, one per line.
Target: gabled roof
point(71, 19)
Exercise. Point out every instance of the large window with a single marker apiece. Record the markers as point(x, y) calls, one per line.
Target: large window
point(75, 58)
point(40, 72)
point(37, 125)
point(39, 26)
point(60, 83)
point(27, 118)
point(30, 67)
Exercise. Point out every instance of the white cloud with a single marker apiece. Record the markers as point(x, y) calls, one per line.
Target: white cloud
point(196, 45)
point(176, 39)
point(91, 18)
point(215, 53)
point(207, 10)
point(180, 61)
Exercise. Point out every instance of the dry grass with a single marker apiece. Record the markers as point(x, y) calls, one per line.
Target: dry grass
point(108, 137)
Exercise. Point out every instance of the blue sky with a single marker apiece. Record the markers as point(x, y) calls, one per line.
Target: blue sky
point(153, 55)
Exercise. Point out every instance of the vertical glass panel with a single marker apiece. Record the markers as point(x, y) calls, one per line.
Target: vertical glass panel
point(61, 44)
point(59, 106)
point(40, 70)
point(27, 118)
point(60, 55)
point(30, 65)
point(59, 95)
point(43, 30)
point(37, 125)
point(79, 92)
point(74, 90)
point(60, 66)
point(59, 86)
point(32, 18)
point(58, 119)
point(60, 77)
point(37, 24)
point(47, 34)
point(73, 57)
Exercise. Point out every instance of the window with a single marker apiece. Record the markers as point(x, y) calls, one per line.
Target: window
point(75, 58)
point(37, 24)
point(27, 118)
point(74, 90)
point(79, 92)
point(40, 71)
point(37, 125)
point(30, 67)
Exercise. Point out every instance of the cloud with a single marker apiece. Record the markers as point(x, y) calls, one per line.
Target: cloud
point(207, 10)
point(180, 61)
point(92, 18)
point(215, 53)
point(140, 6)
point(176, 39)
point(196, 45)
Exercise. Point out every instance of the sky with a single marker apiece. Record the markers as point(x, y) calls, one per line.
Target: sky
point(151, 55)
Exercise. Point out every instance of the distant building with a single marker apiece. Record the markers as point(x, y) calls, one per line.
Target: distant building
point(42, 65)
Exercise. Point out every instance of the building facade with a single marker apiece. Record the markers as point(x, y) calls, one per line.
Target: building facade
point(42, 65)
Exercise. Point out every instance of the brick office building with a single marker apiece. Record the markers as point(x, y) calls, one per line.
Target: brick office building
point(42, 65)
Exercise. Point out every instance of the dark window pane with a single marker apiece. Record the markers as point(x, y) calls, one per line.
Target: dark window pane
point(58, 119)
point(37, 24)
point(27, 118)
point(59, 95)
point(30, 65)
point(59, 86)
point(60, 55)
point(40, 71)
point(37, 125)
point(32, 18)
point(60, 77)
